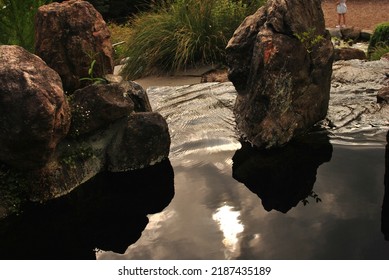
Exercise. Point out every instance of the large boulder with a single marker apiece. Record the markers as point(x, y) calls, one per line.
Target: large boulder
point(69, 37)
point(280, 63)
point(34, 113)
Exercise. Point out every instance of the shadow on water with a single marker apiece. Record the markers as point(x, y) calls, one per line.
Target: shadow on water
point(108, 212)
point(283, 177)
point(385, 204)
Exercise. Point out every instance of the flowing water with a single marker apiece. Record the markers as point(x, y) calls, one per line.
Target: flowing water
point(321, 197)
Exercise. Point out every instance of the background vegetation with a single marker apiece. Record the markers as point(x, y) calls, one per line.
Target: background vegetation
point(17, 22)
point(379, 41)
point(119, 10)
point(177, 34)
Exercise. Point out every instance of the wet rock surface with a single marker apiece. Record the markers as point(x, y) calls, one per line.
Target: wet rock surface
point(353, 114)
point(353, 110)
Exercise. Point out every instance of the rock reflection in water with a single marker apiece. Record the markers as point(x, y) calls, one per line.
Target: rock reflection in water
point(385, 204)
point(108, 213)
point(282, 177)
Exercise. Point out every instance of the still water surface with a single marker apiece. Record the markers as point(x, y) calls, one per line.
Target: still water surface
point(216, 198)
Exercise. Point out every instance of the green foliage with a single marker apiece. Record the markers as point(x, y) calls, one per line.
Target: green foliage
point(77, 152)
point(379, 41)
point(92, 78)
point(182, 33)
point(17, 22)
point(309, 39)
point(378, 52)
point(341, 43)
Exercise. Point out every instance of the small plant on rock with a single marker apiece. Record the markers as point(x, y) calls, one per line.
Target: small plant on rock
point(309, 39)
point(92, 78)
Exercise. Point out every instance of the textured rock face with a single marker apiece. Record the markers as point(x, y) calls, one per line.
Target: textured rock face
point(280, 63)
point(353, 108)
point(146, 141)
point(97, 106)
point(383, 95)
point(138, 96)
point(69, 36)
point(106, 134)
point(34, 113)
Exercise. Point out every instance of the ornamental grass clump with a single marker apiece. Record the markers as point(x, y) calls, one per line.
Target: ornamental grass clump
point(182, 33)
point(17, 22)
point(379, 41)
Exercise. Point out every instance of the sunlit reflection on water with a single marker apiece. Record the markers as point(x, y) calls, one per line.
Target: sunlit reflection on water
point(231, 226)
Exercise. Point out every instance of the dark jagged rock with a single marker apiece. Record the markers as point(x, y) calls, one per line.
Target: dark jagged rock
point(138, 96)
point(69, 37)
point(34, 113)
point(133, 91)
point(349, 53)
point(350, 33)
point(218, 75)
point(383, 95)
point(280, 63)
point(144, 142)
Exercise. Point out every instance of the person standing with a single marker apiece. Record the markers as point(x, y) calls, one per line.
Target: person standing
point(341, 9)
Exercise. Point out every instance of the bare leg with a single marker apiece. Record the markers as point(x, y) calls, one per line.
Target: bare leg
point(344, 19)
point(339, 18)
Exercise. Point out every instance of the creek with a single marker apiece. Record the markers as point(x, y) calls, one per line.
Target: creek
point(321, 197)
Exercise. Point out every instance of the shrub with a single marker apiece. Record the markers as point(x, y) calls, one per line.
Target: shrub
point(380, 39)
point(17, 22)
point(182, 33)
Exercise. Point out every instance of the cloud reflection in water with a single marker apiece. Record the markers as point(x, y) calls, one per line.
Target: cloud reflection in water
point(231, 226)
